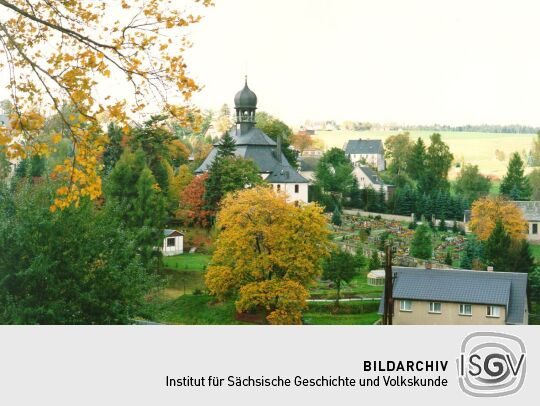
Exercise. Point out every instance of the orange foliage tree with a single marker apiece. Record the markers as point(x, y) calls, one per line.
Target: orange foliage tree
point(267, 253)
point(486, 211)
point(192, 204)
point(62, 52)
point(301, 141)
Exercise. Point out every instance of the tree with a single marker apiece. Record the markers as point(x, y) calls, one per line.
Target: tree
point(397, 149)
point(470, 184)
point(193, 208)
point(521, 258)
point(374, 261)
point(267, 252)
point(224, 121)
point(226, 146)
point(275, 128)
point(228, 174)
point(416, 162)
point(334, 172)
point(438, 163)
point(113, 149)
point(485, 213)
point(497, 247)
point(134, 197)
point(76, 266)
point(535, 151)
point(336, 217)
point(301, 141)
point(534, 181)
point(421, 245)
point(514, 184)
point(448, 258)
point(178, 183)
point(341, 267)
point(58, 51)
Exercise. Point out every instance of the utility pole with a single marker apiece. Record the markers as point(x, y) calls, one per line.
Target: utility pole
point(388, 286)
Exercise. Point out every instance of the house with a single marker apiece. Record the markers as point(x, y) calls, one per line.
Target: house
point(173, 242)
point(368, 178)
point(531, 213)
point(369, 152)
point(252, 143)
point(308, 165)
point(445, 296)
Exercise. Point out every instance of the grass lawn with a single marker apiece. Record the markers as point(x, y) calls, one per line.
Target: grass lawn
point(337, 319)
point(187, 261)
point(181, 282)
point(535, 251)
point(191, 309)
point(358, 287)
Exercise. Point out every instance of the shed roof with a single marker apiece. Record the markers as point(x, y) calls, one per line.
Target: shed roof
point(463, 286)
point(167, 232)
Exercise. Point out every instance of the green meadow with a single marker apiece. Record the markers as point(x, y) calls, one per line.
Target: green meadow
point(475, 148)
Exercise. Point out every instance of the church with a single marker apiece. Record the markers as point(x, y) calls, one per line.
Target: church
point(252, 143)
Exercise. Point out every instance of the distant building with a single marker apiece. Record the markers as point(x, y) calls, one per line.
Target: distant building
point(252, 143)
point(531, 213)
point(4, 120)
point(173, 243)
point(369, 152)
point(445, 296)
point(368, 178)
point(312, 152)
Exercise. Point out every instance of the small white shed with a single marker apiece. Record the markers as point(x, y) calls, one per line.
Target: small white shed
point(173, 242)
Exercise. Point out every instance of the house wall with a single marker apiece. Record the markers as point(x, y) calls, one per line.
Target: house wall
point(531, 236)
point(364, 181)
point(376, 160)
point(419, 315)
point(178, 246)
point(289, 189)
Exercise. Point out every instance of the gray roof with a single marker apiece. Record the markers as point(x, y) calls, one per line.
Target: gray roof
point(361, 146)
point(464, 286)
point(167, 232)
point(372, 175)
point(4, 120)
point(260, 148)
point(531, 210)
point(245, 97)
point(309, 163)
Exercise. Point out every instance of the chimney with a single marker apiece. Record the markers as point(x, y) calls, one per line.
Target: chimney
point(278, 148)
point(490, 268)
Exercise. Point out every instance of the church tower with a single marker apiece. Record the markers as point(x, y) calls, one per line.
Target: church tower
point(245, 104)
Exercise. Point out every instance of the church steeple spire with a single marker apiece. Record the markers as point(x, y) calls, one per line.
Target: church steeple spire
point(245, 103)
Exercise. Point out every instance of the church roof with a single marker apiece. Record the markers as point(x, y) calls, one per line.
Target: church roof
point(253, 137)
point(245, 98)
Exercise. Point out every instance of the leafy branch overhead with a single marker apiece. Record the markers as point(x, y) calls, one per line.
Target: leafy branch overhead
point(73, 52)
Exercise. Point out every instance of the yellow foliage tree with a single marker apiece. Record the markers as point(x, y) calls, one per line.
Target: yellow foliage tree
point(486, 211)
point(178, 182)
point(267, 252)
point(63, 51)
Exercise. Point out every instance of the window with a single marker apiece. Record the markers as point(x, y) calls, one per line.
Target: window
point(278, 188)
point(434, 307)
point(296, 188)
point(493, 311)
point(535, 228)
point(405, 305)
point(170, 242)
point(465, 310)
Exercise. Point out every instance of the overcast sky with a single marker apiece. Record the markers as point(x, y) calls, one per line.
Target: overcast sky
point(417, 62)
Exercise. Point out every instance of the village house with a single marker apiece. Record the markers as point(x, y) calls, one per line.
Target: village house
point(531, 213)
point(370, 152)
point(368, 178)
point(173, 242)
point(458, 297)
point(252, 143)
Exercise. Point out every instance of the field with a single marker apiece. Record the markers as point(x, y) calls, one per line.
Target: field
point(472, 147)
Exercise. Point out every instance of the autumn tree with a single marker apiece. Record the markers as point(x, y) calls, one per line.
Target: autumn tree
point(71, 51)
point(193, 208)
point(267, 252)
point(302, 141)
point(177, 183)
point(515, 185)
point(485, 213)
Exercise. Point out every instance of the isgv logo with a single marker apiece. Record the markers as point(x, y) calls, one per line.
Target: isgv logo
point(491, 364)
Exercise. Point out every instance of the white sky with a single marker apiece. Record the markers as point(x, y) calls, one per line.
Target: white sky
point(414, 61)
point(403, 61)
